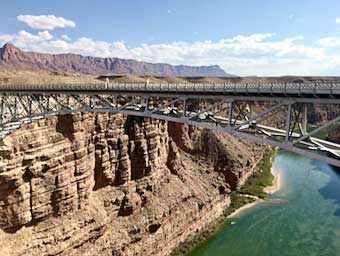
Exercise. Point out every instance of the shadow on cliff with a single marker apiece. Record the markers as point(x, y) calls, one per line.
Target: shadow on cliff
point(65, 126)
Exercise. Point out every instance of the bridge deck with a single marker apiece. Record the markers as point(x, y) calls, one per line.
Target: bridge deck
point(296, 90)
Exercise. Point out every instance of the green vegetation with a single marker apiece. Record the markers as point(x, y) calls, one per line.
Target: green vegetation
point(254, 186)
point(261, 179)
point(323, 134)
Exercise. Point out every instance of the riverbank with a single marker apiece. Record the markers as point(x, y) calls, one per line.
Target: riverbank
point(276, 185)
point(250, 194)
point(300, 219)
point(245, 207)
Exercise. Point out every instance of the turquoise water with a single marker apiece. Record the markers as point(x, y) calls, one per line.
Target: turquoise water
point(306, 222)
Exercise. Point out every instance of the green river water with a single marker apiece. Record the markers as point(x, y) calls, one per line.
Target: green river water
point(304, 221)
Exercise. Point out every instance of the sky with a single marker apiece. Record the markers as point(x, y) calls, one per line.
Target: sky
point(244, 37)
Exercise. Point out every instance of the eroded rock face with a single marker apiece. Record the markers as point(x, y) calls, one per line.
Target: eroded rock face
point(121, 185)
point(51, 167)
point(334, 135)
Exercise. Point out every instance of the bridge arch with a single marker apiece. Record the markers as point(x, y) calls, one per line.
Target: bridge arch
point(238, 109)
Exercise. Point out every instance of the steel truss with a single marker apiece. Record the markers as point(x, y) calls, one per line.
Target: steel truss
point(280, 122)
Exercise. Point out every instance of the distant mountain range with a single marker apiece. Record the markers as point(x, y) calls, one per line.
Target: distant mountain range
point(14, 57)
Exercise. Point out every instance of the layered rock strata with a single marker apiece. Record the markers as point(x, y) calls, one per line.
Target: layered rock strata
point(83, 184)
point(14, 57)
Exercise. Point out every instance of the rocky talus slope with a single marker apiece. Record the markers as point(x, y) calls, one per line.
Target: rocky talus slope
point(102, 184)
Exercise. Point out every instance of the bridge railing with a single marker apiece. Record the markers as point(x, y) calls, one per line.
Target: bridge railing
point(248, 88)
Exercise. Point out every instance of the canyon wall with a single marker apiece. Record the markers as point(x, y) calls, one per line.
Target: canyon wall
point(14, 57)
point(86, 184)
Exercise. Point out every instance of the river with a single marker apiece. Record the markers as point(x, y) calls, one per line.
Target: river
point(302, 219)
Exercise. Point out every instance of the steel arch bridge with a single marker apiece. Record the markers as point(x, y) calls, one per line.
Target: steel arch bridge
point(275, 114)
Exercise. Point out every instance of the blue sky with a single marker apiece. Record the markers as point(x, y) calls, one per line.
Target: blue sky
point(249, 37)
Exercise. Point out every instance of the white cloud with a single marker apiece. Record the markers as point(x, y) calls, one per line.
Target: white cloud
point(24, 38)
point(337, 20)
point(6, 38)
point(45, 35)
point(257, 54)
point(66, 37)
point(291, 16)
point(329, 41)
point(46, 22)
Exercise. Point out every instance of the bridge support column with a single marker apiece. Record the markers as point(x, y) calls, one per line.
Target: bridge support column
point(185, 107)
point(68, 102)
point(230, 113)
point(15, 108)
point(288, 122)
point(2, 109)
point(304, 119)
point(48, 104)
point(147, 103)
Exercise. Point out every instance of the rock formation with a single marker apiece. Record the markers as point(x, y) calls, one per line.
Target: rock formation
point(14, 57)
point(86, 184)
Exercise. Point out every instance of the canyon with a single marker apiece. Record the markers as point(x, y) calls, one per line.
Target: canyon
point(85, 184)
point(109, 184)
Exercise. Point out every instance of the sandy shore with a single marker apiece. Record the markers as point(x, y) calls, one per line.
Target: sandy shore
point(276, 183)
point(269, 190)
point(239, 210)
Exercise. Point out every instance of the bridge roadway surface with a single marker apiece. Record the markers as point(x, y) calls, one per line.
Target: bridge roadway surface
point(294, 97)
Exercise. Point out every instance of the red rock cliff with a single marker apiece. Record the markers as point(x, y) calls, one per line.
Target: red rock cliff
point(82, 184)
